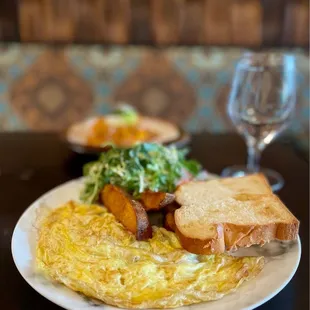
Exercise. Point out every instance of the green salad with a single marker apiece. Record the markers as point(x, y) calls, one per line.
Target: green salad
point(145, 166)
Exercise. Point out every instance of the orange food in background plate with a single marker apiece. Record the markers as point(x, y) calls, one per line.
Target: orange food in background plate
point(99, 133)
point(123, 135)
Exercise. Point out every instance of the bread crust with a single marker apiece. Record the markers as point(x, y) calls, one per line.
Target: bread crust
point(206, 246)
point(235, 236)
point(246, 235)
point(230, 236)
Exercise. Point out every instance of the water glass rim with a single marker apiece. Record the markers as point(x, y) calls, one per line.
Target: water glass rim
point(259, 61)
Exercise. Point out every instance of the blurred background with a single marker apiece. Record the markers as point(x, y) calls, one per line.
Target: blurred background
point(64, 60)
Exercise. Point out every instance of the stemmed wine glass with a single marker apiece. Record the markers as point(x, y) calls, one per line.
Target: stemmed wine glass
point(261, 105)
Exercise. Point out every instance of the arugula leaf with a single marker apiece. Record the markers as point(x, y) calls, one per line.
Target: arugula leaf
point(127, 113)
point(192, 166)
point(144, 166)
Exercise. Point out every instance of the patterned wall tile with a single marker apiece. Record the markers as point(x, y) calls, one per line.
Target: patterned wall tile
point(157, 89)
point(104, 68)
point(14, 61)
point(46, 88)
point(50, 95)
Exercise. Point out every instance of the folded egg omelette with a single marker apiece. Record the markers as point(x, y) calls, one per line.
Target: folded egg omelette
point(88, 250)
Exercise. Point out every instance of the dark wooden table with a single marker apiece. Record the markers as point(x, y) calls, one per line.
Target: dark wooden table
point(33, 163)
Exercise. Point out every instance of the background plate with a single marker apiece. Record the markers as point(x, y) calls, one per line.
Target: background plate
point(277, 272)
point(182, 140)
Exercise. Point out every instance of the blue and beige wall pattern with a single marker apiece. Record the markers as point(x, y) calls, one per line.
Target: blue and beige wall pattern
point(49, 88)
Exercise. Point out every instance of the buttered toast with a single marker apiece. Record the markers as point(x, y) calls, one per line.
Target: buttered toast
point(225, 214)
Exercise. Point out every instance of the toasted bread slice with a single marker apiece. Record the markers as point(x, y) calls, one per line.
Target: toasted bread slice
point(126, 210)
point(225, 214)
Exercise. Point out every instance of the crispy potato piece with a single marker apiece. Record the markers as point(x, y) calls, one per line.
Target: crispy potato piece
point(169, 216)
point(169, 222)
point(128, 211)
point(153, 201)
point(171, 207)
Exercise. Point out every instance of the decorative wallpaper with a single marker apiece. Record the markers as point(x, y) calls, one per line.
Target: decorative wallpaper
point(49, 88)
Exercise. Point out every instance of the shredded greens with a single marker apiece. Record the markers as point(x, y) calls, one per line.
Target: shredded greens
point(144, 166)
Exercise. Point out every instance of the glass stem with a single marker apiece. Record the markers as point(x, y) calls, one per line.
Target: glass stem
point(254, 156)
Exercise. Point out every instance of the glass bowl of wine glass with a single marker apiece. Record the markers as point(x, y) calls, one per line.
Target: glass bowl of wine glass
point(261, 106)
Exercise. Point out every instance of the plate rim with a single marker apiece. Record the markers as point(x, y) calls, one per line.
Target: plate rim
point(284, 284)
point(184, 138)
point(76, 180)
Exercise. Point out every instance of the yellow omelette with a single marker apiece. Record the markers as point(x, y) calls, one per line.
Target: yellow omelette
point(88, 250)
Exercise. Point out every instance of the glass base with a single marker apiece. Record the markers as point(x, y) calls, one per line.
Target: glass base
point(275, 180)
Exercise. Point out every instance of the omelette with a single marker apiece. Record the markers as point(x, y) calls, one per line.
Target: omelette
point(88, 250)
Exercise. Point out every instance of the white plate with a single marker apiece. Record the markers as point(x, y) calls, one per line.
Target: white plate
point(167, 133)
point(277, 272)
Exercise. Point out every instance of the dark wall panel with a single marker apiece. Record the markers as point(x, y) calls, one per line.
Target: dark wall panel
point(158, 22)
point(8, 20)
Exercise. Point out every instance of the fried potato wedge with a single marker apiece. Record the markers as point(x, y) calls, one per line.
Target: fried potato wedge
point(154, 201)
point(171, 207)
point(127, 210)
point(169, 216)
point(170, 222)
